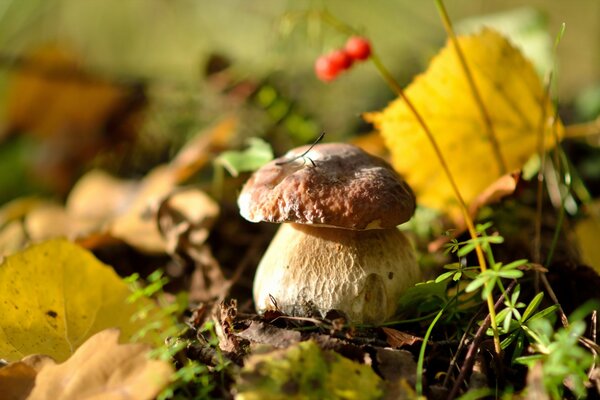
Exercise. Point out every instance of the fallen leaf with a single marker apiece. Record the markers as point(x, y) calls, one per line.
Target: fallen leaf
point(50, 220)
point(397, 339)
point(512, 94)
point(259, 332)
point(396, 364)
point(304, 371)
point(18, 378)
point(12, 238)
point(203, 147)
point(104, 369)
point(55, 295)
point(587, 232)
point(72, 113)
point(185, 218)
point(98, 196)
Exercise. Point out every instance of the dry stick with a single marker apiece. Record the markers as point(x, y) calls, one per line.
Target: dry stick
point(479, 335)
point(476, 95)
point(461, 345)
point(468, 221)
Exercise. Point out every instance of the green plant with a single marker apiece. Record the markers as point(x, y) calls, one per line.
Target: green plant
point(192, 379)
point(563, 360)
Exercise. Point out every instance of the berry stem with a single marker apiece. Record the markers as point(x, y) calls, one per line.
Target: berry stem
point(387, 76)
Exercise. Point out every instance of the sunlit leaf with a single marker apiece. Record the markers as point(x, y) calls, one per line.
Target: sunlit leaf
point(55, 295)
point(304, 371)
point(587, 232)
point(103, 368)
point(513, 96)
point(255, 156)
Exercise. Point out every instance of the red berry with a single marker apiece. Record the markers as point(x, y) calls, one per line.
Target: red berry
point(325, 69)
point(340, 59)
point(358, 48)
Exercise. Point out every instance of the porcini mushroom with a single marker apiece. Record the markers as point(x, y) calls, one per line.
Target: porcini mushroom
point(339, 246)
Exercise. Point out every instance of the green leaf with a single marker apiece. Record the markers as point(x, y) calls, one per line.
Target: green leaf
point(304, 371)
point(510, 274)
point(533, 306)
point(423, 297)
point(444, 276)
point(515, 264)
point(255, 156)
point(476, 284)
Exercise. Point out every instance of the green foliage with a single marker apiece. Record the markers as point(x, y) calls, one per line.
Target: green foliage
point(192, 379)
point(561, 356)
point(255, 156)
point(305, 371)
point(520, 323)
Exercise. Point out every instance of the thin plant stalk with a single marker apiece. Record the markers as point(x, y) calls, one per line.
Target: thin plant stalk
point(540, 175)
point(419, 377)
point(395, 86)
point(487, 121)
point(387, 76)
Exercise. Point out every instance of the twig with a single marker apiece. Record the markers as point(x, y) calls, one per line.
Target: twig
point(563, 317)
point(479, 335)
point(462, 343)
point(387, 76)
point(303, 154)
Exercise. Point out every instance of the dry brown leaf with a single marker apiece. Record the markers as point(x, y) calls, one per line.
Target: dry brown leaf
point(185, 218)
point(201, 149)
point(259, 332)
point(104, 369)
point(99, 196)
point(51, 220)
point(101, 206)
point(397, 339)
point(71, 112)
point(18, 378)
point(12, 238)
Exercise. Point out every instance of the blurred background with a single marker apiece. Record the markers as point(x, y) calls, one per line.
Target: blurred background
point(122, 85)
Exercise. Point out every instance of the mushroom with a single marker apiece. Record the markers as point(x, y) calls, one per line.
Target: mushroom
point(339, 246)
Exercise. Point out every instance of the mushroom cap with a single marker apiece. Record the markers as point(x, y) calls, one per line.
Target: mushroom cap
point(334, 184)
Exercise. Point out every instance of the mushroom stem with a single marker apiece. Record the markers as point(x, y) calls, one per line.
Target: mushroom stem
point(310, 268)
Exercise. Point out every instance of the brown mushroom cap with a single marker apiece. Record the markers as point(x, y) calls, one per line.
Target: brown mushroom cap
point(345, 188)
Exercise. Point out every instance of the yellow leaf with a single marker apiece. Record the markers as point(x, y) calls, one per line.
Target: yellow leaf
point(513, 96)
point(587, 232)
point(103, 369)
point(55, 295)
point(304, 371)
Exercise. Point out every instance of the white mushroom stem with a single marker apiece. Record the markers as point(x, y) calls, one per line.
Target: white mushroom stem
point(362, 273)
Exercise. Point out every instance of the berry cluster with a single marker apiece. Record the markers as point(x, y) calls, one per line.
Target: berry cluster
point(329, 66)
